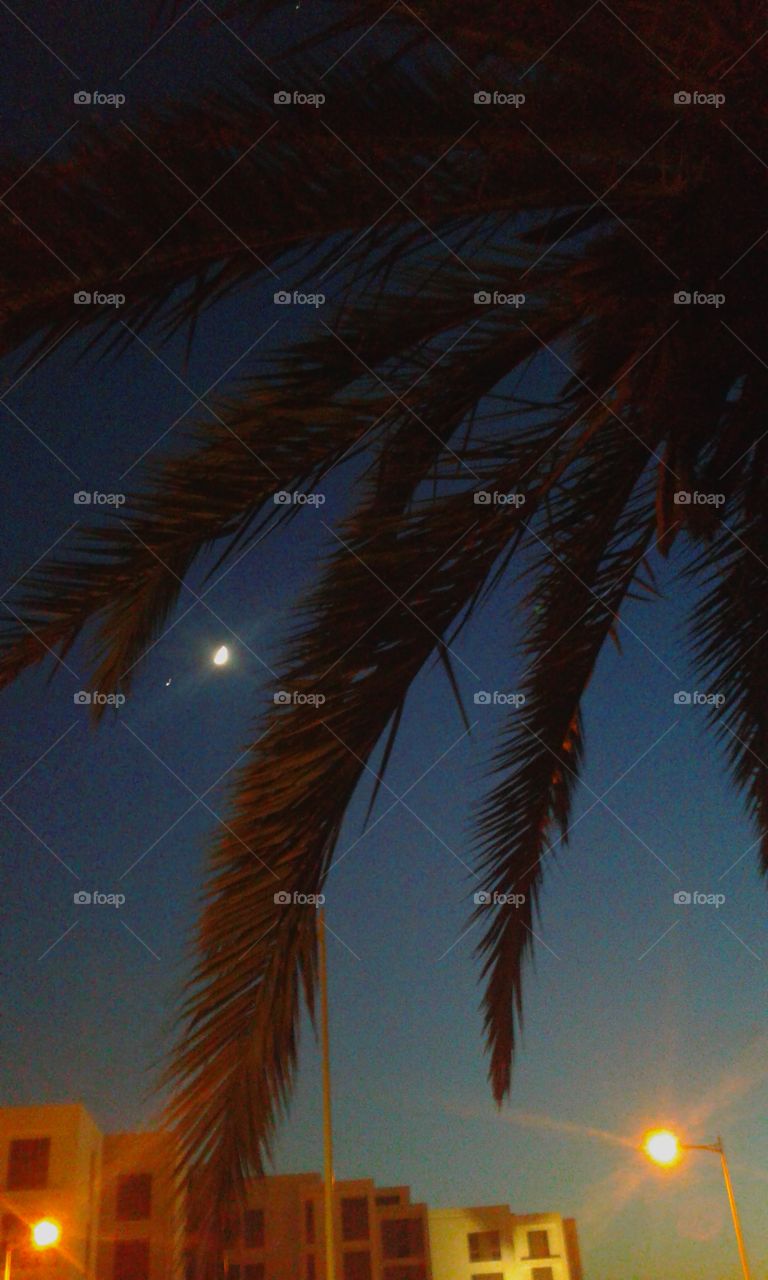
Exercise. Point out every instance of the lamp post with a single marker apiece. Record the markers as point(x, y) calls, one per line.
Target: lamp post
point(330, 1250)
point(664, 1148)
point(43, 1234)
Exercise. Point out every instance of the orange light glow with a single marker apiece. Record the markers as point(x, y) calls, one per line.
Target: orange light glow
point(46, 1233)
point(662, 1146)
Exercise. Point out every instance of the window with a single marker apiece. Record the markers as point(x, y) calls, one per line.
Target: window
point(402, 1237)
point(309, 1222)
point(357, 1266)
point(542, 1273)
point(253, 1229)
point(311, 1273)
point(233, 1271)
point(538, 1244)
point(28, 1164)
point(134, 1197)
point(489, 1275)
point(131, 1260)
point(253, 1271)
point(354, 1218)
point(484, 1246)
point(383, 1201)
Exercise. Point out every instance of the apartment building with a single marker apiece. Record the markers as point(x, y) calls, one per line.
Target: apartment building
point(141, 1222)
point(121, 1218)
point(112, 1197)
point(50, 1166)
point(492, 1243)
point(379, 1233)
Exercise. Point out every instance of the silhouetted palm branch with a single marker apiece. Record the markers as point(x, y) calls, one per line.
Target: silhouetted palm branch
point(603, 199)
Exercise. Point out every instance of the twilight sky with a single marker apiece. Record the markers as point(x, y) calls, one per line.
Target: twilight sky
point(638, 1010)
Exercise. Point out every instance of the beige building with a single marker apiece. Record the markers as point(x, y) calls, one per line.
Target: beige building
point(492, 1243)
point(379, 1234)
point(141, 1221)
point(111, 1196)
point(121, 1218)
point(50, 1167)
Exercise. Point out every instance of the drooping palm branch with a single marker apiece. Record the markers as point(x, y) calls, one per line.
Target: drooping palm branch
point(603, 200)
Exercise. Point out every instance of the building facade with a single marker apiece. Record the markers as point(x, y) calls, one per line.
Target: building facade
point(122, 1218)
point(112, 1197)
point(379, 1233)
point(492, 1243)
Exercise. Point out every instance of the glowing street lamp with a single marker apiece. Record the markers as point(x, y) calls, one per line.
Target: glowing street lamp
point(664, 1148)
point(44, 1234)
point(221, 656)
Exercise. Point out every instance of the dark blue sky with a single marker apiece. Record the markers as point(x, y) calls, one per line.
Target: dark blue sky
point(637, 1010)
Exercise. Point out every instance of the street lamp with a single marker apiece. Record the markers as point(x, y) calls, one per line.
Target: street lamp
point(44, 1234)
point(328, 1181)
point(664, 1147)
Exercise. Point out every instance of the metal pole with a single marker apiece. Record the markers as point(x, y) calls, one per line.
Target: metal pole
point(734, 1210)
point(7, 1268)
point(330, 1251)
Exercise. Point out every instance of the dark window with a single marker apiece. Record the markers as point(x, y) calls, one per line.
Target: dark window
point(383, 1201)
point(253, 1229)
point(311, 1273)
point(28, 1164)
point(489, 1275)
point(309, 1221)
point(253, 1271)
point(357, 1266)
point(134, 1197)
point(542, 1273)
point(538, 1244)
point(484, 1246)
point(401, 1237)
point(354, 1218)
point(131, 1260)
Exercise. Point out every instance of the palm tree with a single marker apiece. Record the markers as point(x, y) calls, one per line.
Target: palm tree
point(599, 198)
